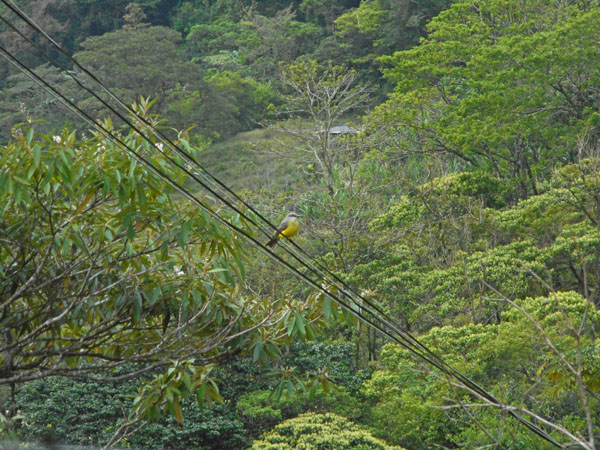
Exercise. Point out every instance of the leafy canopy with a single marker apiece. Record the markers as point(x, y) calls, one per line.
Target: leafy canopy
point(502, 85)
point(100, 265)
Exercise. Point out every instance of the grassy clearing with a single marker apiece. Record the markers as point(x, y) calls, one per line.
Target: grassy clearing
point(242, 164)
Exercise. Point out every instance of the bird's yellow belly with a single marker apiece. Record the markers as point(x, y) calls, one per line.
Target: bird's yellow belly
point(291, 229)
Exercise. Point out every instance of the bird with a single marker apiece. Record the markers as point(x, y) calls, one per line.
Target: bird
point(287, 228)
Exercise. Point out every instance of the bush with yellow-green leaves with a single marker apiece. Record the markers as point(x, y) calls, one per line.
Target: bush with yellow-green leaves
point(320, 431)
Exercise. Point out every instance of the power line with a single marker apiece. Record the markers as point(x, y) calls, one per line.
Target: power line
point(401, 337)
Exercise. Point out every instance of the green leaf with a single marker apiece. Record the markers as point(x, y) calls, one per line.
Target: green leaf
point(291, 325)
point(21, 180)
point(300, 323)
point(66, 246)
point(201, 395)
point(156, 293)
point(327, 307)
point(132, 166)
point(313, 389)
point(141, 194)
point(137, 306)
point(184, 234)
point(37, 154)
point(256, 355)
point(187, 381)
point(279, 390)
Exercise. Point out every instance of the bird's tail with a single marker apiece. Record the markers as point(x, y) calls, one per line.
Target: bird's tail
point(272, 243)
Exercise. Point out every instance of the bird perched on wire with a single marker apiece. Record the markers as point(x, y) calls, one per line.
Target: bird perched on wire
point(287, 228)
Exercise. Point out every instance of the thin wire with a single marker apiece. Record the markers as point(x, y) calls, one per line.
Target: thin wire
point(404, 341)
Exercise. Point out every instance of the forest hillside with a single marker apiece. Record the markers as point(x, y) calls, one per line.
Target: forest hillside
point(443, 289)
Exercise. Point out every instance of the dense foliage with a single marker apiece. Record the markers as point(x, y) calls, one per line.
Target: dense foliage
point(444, 156)
point(86, 413)
point(508, 88)
point(101, 268)
point(319, 431)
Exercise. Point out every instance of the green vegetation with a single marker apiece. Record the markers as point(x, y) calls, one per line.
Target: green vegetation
point(312, 431)
point(445, 159)
point(86, 413)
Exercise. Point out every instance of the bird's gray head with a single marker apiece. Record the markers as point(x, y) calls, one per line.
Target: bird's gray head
point(293, 215)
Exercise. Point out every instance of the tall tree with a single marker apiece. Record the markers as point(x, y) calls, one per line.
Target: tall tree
point(320, 430)
point(267, 41)
point(22, 100)
point(320, 98)
point(382, 27)
point(315, 132)
point(140, 60)
point(42, 12)
point(500, 85)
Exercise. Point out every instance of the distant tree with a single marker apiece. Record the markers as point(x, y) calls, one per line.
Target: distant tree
point(267, 41)
point(75, 412)
point(140, 61)
point(323, 12)
point(42, 12)
point(187, 14)
point(541, 360)
point(135, 17)
point(319, 99)
point(70, 22)
point(209, 39)
point(382, 27)
point(316, 133)
point(22, 99)
point(251, 99)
